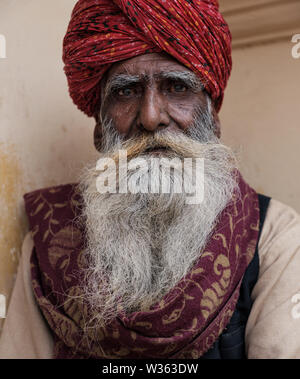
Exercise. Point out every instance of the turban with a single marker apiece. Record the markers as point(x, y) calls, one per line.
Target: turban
point(103, 32)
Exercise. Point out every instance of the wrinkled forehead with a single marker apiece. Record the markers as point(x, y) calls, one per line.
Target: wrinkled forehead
point(147, 65)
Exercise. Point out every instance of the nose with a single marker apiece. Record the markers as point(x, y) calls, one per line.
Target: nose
point(152, 114)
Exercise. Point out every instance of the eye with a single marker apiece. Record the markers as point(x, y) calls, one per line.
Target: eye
point(126, 92)
point(178, 87)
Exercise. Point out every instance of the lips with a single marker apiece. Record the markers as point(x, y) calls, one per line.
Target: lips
point(157, 149)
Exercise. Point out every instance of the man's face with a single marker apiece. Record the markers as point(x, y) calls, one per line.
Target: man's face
point(139, 245)
point(149, 93)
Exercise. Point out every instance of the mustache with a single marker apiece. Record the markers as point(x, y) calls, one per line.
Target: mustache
point(172, 143)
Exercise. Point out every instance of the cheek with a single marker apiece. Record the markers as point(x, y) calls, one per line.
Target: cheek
point(183, 111)
point(182, 114)
point(123, 116)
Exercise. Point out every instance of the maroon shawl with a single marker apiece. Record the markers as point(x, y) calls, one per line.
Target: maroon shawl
point(184, 324)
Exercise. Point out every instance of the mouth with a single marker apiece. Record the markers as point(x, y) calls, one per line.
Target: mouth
point(156, 150)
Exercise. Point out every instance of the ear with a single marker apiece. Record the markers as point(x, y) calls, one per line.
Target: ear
point(215, 117)
point(98, 127)
point(97, 134)
point(214, 114)
point(217, 122)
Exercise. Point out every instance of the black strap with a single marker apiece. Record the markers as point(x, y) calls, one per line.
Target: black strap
point(264, 202)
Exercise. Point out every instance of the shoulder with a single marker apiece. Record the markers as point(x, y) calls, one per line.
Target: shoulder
point(25, 334)
point(280, 233)
point(51, 209)
point(50, 194)
point(273, 329)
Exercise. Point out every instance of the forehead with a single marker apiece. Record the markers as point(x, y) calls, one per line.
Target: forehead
point(147, 64)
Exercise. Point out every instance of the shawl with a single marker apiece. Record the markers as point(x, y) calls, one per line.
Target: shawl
point(184, 324)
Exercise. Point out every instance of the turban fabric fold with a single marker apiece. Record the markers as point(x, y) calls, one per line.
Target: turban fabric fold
point(103, 32)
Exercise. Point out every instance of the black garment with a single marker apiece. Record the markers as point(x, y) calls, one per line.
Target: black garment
point(231, 343)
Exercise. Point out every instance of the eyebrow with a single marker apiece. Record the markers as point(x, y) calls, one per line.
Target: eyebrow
point(190, 79)
point(120, 81)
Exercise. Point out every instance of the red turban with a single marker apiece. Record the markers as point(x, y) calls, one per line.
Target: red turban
point(102, 32)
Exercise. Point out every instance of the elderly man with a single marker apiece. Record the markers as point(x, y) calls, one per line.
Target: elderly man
point(148, 274)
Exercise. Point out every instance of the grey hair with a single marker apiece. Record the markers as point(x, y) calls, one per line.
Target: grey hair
point(204, 126)
point(190, 79)
point(120, 81)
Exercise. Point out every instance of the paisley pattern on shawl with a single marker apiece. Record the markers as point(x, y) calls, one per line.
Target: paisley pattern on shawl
point(184, 324)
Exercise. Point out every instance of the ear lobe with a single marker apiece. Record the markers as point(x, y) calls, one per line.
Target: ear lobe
point(98, 136)
point(217, 123)
point(97, 118)
point(214, 114)
point(218, 127)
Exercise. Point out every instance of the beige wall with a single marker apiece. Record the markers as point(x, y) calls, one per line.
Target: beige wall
point(261, 118)
point(44, 139)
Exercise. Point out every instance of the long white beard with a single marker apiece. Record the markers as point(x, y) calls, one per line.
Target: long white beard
point(139, 246)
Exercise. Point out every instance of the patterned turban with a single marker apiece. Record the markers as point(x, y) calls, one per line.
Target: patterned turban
point(102, 32)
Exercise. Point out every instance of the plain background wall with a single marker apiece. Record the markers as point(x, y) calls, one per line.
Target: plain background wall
point(261, 118)
point(45, 140)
